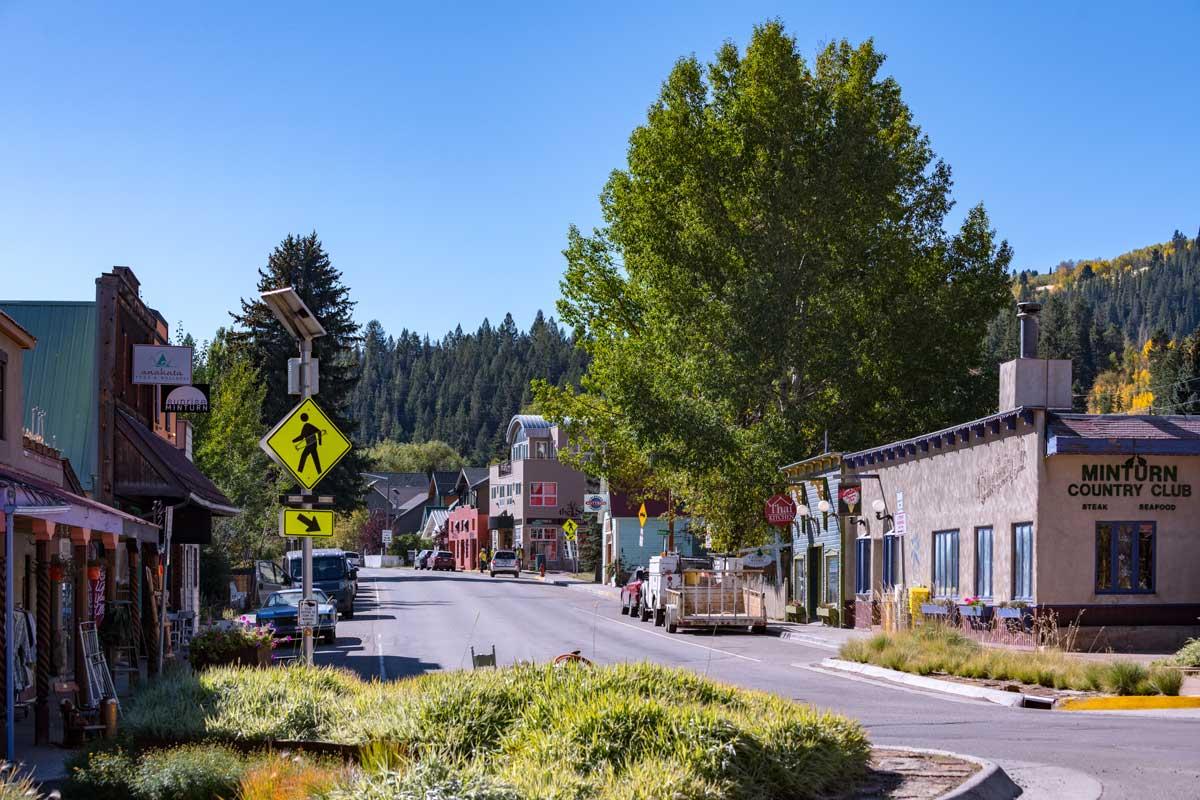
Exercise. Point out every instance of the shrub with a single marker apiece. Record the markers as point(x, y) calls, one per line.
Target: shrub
point(1188, 655)
point(16, 784)
point(104, 771)
point(281, 777)
point(1125, 677)
point(1166, 680)
point(191, 772)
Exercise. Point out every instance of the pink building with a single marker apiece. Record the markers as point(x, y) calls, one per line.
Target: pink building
point(467, 523)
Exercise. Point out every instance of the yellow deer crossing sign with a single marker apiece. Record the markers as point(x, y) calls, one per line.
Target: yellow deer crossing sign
point(306, 443)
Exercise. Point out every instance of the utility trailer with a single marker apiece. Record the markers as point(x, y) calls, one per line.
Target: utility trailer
point(718, 599)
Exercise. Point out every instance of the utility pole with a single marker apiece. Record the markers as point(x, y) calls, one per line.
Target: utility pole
point(305, 393)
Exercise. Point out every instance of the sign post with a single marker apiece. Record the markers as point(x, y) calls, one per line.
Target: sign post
point(298, 320)
point(387, 537)
point(642, 517)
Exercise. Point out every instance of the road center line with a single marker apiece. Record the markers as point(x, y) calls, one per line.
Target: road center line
point(670, 637)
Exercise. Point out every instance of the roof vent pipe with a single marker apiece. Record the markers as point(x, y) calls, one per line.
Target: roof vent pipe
point(1027, 318)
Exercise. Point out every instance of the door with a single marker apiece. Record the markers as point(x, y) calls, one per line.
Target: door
point(270, 578)
point(816, 563)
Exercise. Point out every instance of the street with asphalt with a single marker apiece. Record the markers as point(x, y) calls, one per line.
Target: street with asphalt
point(408, 622)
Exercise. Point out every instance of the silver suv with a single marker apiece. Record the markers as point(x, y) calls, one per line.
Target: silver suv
point(505, 561)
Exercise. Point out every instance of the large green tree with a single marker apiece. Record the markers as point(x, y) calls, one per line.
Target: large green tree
point(302, 263)
point(393, 456)
point(773, 265)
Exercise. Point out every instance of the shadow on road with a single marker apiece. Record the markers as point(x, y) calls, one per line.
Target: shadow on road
point(393, 666)
point(445, 576)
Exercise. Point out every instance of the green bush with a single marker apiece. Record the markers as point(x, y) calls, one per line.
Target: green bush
point(16, 784)
point(1125, 677)
point(496, 731)
point(103, 771)
point(1166, 680)
point(191, 772)
point(933, 649)
point(1188, 655)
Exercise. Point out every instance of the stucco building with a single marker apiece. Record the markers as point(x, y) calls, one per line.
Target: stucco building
point(1091, 517)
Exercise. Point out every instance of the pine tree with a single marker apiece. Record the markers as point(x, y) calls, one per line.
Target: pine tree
point(302, 263)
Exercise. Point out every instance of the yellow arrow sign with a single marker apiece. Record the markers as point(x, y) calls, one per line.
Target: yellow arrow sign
point(306, 443)
point(569, 528)
point(642, 515)
point(301, 522)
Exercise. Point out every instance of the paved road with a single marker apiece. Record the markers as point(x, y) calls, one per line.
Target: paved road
point(411, 622)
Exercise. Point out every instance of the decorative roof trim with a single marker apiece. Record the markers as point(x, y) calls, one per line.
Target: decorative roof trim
point(978, 430)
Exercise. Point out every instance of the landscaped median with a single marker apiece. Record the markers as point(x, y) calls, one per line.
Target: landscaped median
point(611, 733)
point(933, 650)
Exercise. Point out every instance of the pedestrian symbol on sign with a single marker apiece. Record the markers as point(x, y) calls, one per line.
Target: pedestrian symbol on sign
point(569, 528)
point(306, 443)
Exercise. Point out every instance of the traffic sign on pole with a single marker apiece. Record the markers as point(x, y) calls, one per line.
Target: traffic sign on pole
point(642, 515)
point(387, 536)
point(303, 522)
point(307, 613)
point(306, 443)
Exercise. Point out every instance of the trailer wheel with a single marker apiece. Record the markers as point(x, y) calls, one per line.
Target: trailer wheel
point(758, 628)
point(659, 617)
point(644, 612)
point(670, 621)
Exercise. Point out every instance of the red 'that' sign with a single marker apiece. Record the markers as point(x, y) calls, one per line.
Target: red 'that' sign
point(780, 510)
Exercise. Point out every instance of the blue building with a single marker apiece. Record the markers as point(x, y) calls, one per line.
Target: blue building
point(818, 546)
point(626, 546)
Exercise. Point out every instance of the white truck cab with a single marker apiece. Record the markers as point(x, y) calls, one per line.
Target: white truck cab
point(666, 572)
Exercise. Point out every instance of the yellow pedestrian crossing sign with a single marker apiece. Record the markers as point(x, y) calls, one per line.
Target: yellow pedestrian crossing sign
point(303, 522)
point(569, 528)
point(306, 443)
point(642, 515)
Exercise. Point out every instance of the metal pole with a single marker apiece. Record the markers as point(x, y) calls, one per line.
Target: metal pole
point(10, 511)
point(305, 393)
point(169, 525)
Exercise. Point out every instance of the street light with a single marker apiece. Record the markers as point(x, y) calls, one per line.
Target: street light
point(299, 322)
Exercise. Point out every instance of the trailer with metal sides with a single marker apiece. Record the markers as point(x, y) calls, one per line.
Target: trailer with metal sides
point(718, 599)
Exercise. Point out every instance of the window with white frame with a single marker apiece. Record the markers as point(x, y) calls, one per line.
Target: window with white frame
point(945, 564)
point(983, 561)
point(543, 494)
point(1023, 561)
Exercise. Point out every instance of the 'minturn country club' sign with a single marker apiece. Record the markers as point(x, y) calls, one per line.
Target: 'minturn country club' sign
point(1134, 478)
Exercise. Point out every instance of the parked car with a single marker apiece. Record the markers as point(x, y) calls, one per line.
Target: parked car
point(442, 560)
point(505, 562)
point(282, 609)
point(331, 574)
point(422, 559)
point(632, 591)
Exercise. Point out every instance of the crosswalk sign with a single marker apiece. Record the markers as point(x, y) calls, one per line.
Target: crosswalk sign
point(306, 443)
point(569, 528)
point(302, 522)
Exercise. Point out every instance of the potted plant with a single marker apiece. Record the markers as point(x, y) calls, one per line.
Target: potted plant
point(937, 608)
point(974, 607)
point(829, 613)
point(231, 644)
point(1011, 610)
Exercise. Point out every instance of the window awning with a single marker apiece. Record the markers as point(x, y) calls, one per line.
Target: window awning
point(41, 499)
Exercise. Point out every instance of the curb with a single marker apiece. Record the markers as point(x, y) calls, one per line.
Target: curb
point(591, 588)
point(991, 782)
point(1011, 699)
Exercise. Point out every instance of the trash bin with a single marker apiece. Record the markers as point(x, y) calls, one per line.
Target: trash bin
point(916, 596)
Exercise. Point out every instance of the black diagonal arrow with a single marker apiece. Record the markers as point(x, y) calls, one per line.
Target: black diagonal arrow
point(311, 524)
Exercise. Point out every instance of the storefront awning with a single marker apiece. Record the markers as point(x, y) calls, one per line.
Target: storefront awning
point(41, 499)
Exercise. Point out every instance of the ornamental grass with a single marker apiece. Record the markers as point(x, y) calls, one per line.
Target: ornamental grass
point(610, 733)
point(938, 649)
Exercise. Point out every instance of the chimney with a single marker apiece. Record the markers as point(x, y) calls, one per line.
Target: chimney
point(1027, 317)
point(1031, 382)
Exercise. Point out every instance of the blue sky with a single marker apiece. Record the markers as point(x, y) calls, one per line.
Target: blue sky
point(441, 150)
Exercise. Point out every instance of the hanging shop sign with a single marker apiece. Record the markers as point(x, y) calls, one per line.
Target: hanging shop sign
point(850, 499)
point(186, 399)
point(162, 364)
point(780, 510)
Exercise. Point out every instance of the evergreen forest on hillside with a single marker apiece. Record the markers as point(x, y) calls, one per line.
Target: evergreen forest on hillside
point(1129, 324)
point(462, 389)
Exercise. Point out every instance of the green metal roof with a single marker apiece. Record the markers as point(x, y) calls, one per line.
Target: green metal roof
point(60, 376)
